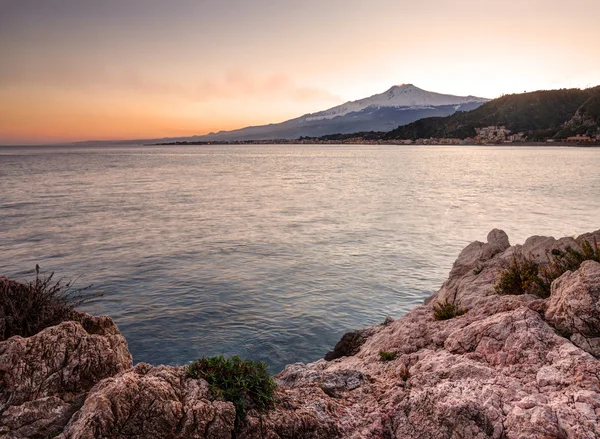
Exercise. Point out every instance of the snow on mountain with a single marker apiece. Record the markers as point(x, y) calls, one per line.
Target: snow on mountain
point(405, 95)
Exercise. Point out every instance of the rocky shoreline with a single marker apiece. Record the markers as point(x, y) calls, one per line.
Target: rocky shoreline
point(512, 366)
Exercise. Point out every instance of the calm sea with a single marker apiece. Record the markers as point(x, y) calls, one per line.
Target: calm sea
point(273, 252)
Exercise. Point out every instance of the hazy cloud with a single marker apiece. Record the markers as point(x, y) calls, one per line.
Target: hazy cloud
point(237, 84)
point(232, 85)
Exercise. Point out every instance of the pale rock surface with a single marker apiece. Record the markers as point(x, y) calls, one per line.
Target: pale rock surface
point(44, 378)
point(502, 370)
point(499, 371)
point(151, 402)
point(574, 306)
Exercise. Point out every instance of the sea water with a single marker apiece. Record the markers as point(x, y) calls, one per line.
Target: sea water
point(273, 252)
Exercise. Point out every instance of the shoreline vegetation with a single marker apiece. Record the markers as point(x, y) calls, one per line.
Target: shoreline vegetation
point(509, 346)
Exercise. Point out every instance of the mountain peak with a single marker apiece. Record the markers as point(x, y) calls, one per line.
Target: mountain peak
point(398, 96)
point(398, 105)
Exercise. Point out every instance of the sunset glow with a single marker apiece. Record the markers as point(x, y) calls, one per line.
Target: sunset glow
point(77, 70)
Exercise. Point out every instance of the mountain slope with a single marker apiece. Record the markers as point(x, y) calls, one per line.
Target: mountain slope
point(399, 105)
point(405, 95)
point(540, 114)
point(586, 120)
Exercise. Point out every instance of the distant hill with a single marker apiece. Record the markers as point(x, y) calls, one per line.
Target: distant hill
point(399, 105)
point(540, 114)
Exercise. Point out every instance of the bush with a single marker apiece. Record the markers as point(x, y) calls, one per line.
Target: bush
point(525, 276)
point(568, 260)
point(404, 373)
point(28, 308)
point(387, 355)
point(520, 277)
point(447, 310)
point(245, 383)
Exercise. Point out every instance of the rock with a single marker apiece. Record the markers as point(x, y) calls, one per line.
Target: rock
point(44, 378)
point(498, 371)
point(475, 271)
point(349, 344)
point(588, 344)
point(538, 247)
point(336, 382)
point(388, 321)
point(574, 306)
point(300, 413)
point(477, 252)
point(157, 402)
point(332, 382)
point(512, 367)
point(43, 416)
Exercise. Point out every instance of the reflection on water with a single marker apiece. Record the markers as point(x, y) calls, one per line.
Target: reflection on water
point(272, 252)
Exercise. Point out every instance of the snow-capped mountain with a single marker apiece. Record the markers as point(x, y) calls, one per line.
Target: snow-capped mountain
point(400, 105)
point(405, 95)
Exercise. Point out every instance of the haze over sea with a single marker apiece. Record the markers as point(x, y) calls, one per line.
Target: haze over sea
point(273, 252)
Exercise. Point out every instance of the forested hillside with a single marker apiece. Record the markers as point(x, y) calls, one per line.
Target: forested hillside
point(540, 114)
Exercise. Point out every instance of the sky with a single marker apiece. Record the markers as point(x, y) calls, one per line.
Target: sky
point(126, 69)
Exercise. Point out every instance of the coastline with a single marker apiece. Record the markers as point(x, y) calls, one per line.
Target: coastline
point(507, 366)
point(391, 143)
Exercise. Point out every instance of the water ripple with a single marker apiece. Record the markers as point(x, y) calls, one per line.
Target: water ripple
point(273, 252)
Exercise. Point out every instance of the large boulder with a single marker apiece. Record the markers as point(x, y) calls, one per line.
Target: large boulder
point(574, 306)
point(162, 402)
point(44, 378)
point(474, 271)
point(152, 402)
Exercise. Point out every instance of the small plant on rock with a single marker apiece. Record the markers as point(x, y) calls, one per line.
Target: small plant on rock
point(520, 277)
point(245, 383)
point(404, 373)
point(559, 262)
point(28, 308)
point(447, 310)
point(525, 276)
point(387, 355)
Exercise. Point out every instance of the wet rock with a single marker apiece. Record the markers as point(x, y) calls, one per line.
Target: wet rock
point(349, 344)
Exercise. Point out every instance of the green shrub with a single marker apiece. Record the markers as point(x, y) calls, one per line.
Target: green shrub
point(525, 276)
point(245, 383)
point(520, 277)
point(387, 355)
point(568, 260)
point(28, 308)
point(447, 310)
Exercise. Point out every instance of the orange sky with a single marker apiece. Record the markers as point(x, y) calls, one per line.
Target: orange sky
point(118, 69)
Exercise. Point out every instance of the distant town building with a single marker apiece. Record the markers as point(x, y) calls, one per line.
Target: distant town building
point(579, 138)
point(495, 134)
point(449, 141)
